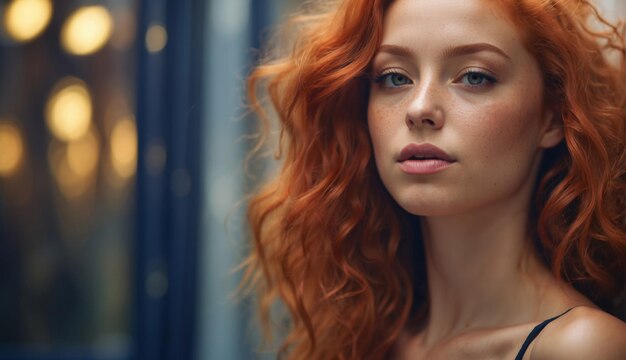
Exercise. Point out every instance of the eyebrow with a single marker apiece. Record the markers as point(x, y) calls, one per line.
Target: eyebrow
point(397, 50)
point(454, 51)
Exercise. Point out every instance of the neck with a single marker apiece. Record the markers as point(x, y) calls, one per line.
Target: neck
point(482, 271)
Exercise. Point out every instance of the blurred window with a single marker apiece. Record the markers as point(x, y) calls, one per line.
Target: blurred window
point(68, 155)
point(234, 31)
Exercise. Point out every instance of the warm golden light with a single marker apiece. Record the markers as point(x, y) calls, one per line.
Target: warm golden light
point(124, 29)
point(68, 112)
point(69, 183)
point(74, 164)
point(11, 149)
point(124, 147)
point(25, 19)
point(82, 155)
point(87, 30)
point(156, 38)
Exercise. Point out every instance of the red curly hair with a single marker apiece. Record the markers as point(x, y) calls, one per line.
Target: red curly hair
point(331, 244)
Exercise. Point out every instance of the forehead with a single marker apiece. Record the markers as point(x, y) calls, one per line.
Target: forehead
point(449, 21)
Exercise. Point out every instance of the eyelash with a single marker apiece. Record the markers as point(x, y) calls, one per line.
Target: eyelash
point(380, 79)
point(488, 78)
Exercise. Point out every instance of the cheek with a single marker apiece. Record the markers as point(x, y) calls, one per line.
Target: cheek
point(380, 122)
point(504, 134)
point(498, 126)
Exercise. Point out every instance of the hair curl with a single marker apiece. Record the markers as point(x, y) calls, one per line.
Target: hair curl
point(330, 242)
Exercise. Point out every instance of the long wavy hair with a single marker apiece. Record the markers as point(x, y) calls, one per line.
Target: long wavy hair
point(330, 243)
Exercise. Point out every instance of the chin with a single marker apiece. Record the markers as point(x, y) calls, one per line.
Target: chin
point(428, 207)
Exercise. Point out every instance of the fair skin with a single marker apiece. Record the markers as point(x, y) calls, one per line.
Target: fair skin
point(454, 74)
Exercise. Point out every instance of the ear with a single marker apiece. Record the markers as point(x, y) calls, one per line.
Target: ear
point(552, 130)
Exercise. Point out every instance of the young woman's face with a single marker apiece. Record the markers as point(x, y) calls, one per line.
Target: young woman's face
point(453, 74)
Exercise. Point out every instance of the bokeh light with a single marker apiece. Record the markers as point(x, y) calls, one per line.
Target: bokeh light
point(86, 30)
point(74, 164)
point(82, 155)
point(11, 148)
point(124, 28)
point(26, 19)
point(69, 109)
point(156, 157)
point(124, 147)
point(156, 38)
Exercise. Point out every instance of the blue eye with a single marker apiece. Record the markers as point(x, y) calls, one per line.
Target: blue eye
point(477, 79)
point(394, 79)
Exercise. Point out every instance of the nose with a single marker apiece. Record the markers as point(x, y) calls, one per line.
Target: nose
point(425, 106)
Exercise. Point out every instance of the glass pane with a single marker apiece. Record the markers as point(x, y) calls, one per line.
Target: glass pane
point(68, 152)
point(226, 329)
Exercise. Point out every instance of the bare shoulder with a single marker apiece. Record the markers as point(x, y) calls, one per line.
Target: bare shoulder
point(582, 333)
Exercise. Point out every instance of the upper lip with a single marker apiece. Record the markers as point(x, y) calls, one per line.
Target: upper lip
point(423, 151)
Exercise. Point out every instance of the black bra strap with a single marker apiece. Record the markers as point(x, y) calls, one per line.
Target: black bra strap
point(533, 334)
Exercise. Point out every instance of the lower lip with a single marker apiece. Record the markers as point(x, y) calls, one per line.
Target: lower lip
point(424, 167)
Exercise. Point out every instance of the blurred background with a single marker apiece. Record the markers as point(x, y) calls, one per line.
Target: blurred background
point(121, 174)
point(122, 139)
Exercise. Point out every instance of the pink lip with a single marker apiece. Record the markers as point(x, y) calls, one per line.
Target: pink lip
point(423, 159)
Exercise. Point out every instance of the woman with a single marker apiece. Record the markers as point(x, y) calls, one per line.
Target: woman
point(452, 182)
